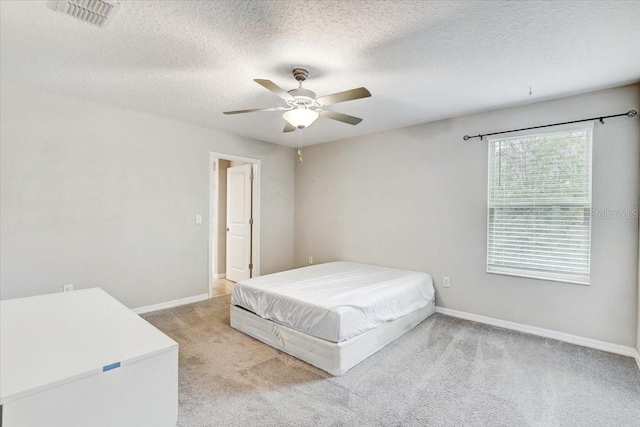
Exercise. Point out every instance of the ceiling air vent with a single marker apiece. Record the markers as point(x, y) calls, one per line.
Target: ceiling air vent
point(96, 12)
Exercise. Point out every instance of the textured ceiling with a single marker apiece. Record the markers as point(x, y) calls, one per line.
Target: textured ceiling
point(422, 61)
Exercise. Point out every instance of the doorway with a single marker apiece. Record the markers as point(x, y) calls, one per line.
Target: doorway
point(234, 218)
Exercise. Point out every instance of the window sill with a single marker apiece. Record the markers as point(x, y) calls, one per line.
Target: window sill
point(541, 275)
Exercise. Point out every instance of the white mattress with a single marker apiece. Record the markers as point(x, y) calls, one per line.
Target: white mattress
point(335, 301)
point(335, 358)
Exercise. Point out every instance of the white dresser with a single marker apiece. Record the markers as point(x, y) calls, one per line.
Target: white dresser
point(83, 359)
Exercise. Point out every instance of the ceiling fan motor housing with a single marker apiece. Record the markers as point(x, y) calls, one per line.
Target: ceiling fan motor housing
point(303, 97)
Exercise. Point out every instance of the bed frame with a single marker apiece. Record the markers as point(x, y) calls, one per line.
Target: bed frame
point(334, 358)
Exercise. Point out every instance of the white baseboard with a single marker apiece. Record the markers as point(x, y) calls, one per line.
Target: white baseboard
point(220, 276)
point(637, 357)
point(546, 333)
point(169, 304)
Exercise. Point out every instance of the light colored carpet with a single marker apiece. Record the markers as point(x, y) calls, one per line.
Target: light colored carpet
point(445, 372)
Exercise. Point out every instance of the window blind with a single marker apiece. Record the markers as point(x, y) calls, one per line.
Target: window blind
point(539, 202)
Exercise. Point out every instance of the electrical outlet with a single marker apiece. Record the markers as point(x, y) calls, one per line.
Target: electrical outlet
point(446, 281)
point(67, 288)
point(310, 260)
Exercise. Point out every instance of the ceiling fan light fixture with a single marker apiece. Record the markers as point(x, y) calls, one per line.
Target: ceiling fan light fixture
point(300, 117)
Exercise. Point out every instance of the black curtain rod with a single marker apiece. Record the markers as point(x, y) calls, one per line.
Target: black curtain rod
point(630, 113)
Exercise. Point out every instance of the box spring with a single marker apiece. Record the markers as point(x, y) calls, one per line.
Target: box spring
point(334, 358)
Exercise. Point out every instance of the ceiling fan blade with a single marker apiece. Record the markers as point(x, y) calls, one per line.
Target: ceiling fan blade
point(268, 84)
point(347, 95)
point(251, 111)
point(340, 117)
point(288, 127)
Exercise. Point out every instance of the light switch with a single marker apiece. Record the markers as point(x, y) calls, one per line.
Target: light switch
point(198, 219)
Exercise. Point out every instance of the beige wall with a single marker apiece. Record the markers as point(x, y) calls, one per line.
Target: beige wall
point(223, 165)
point(98, 196)
point(415, 198)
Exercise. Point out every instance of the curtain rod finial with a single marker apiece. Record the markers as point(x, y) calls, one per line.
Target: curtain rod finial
point(632, 113)
point(466, 137)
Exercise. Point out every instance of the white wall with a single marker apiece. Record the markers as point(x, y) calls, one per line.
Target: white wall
point(98, 196)
point(415, 198)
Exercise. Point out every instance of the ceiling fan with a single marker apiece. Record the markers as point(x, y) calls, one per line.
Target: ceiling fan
point(304, 107)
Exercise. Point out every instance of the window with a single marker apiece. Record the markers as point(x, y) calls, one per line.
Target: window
point(539, 219)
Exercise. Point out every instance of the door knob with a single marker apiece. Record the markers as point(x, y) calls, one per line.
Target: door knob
point(227, 228)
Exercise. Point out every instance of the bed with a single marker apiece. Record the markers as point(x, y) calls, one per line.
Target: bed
point(332, 315)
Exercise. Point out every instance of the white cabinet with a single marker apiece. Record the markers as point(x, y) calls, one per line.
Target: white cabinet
point(83, 359)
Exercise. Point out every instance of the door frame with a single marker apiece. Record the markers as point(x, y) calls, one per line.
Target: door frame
point(213, 220)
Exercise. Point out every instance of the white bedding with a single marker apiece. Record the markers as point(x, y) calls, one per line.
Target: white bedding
point(335, 301)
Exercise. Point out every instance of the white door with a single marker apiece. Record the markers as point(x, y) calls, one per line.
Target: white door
point(239, 192)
